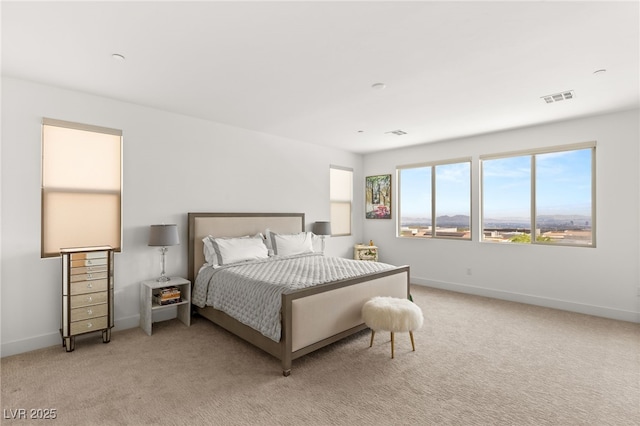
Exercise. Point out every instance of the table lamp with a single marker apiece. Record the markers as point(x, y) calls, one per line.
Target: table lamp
point(163, 236)
point(322, 229)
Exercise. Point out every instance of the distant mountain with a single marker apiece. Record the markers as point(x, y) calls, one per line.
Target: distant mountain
point(564, 218)
point(578, 221)
point(415, 221)
point(457, 220)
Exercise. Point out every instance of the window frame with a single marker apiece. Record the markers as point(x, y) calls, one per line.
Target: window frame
point(532, 153)
point(433, 165)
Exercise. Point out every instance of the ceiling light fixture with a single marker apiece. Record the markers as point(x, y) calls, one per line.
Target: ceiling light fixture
point(556, 97)
point(118, 57)
point(378, 86)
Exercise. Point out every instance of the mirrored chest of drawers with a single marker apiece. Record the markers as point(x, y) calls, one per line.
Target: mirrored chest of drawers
point(87, 293)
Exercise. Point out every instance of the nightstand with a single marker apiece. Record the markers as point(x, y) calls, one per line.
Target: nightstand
point(148, 306)
point(365, 252)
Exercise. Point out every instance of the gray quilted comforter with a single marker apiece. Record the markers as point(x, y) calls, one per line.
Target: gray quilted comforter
point(251, 292)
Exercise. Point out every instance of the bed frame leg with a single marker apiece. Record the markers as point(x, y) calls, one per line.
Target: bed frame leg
point(286, 365)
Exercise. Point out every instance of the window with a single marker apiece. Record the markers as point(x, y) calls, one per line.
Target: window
point(506, 198)
point(341, 197)
point(435, 190)
point(81, 186)
point(551, 192)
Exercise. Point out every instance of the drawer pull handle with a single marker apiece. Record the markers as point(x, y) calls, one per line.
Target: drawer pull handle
point(89, 285)
point(89, 325)
point(89, 299)
point(89, 276)
point(88, 262)
point(89, 311)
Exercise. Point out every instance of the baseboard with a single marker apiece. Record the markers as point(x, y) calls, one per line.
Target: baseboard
point(53, 339)
point(599, 311)
point(30, 344)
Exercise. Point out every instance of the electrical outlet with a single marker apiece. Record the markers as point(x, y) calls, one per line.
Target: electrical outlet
point(469, 273)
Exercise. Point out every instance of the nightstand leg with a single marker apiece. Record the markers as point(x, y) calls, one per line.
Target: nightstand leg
point(145, 309)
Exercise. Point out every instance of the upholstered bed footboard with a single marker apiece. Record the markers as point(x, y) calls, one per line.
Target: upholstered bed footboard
point(322, 315)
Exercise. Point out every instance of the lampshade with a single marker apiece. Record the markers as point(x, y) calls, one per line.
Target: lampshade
point(164, 235)
point(322, 228)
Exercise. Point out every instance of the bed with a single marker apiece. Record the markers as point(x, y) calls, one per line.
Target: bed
point(310, 318)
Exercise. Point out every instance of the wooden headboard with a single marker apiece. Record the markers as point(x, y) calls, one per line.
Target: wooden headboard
point(234, 225)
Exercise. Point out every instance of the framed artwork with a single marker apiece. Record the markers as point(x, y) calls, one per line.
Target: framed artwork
point(378, 197)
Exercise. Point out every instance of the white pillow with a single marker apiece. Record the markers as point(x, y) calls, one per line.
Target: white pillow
point(290, 244)
point(209, 252)
point(223, 251)
point(267, 241)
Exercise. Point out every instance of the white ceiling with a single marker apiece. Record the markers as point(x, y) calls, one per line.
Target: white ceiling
point(304, 70)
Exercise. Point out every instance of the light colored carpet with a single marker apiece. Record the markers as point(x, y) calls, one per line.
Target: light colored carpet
point(478, 361)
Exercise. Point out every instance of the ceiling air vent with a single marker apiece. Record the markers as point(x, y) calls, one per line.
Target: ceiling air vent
point(556, 97)
point(397, 132)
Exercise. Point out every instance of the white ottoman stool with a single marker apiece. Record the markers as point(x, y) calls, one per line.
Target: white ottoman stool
point(394, 315)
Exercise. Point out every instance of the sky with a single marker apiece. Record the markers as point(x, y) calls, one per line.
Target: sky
point(563, 186)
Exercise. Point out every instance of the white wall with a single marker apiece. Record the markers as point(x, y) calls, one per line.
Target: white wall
point(600, 281)
point(172, 165)
point(175, 164)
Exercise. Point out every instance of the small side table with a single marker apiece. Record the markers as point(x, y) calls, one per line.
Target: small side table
point(365, 252)
point(148, 306)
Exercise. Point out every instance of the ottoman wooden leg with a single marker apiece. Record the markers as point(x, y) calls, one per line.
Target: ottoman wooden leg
point(392, 345)
point(373, 333)
point(413, 345)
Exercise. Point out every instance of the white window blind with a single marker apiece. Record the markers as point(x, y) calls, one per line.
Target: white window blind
point(81, 186)
point(341, 197)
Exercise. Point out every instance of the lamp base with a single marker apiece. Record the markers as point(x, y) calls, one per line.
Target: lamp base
point(163, 278)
